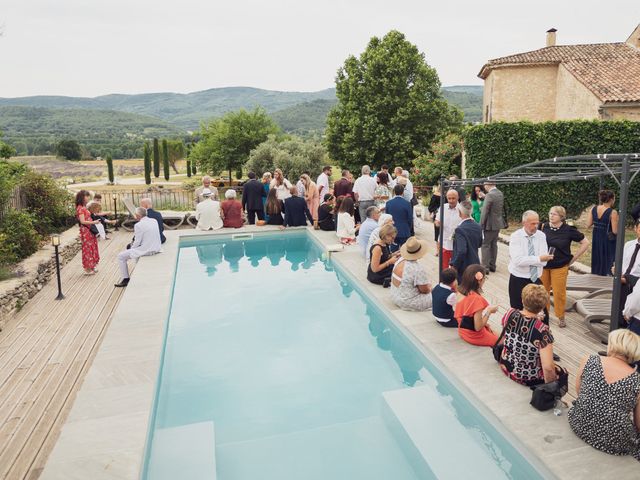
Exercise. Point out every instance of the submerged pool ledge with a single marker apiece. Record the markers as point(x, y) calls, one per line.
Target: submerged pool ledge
point(105, 434)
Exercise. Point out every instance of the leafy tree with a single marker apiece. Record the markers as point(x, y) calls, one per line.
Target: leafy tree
point(226, 142)
point(293, 156)
point(189, 168)
point(110, 169)
point(389, 108)
point(156, 158)
point(69, 149)
point(147, 163)
point(165, 159)
point(176, 152)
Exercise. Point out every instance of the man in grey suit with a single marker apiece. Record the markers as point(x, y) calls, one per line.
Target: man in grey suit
point(491, 221)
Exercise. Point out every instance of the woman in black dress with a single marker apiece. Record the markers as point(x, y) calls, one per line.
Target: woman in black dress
point(326, 221)
point(274, 208)
point(434, 206)
point(382, 260)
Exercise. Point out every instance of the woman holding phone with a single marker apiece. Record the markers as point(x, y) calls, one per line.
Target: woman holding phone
point(560, 235)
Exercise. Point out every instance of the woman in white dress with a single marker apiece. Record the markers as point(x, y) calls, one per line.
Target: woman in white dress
point(410, 287)
point(281, 185)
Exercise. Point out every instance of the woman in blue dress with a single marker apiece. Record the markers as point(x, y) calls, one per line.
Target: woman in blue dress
point(605, 226)
point(266, 182)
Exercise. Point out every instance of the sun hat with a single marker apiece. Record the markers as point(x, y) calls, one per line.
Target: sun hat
point(206, 192)
point(413, 249)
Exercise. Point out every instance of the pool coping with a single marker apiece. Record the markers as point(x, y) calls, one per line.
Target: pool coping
point(106, 431)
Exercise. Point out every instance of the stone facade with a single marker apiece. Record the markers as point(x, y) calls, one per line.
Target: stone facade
point(573, 100)
point(38, 270)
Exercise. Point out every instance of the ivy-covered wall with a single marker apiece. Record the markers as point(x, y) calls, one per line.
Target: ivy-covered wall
point(496, 147)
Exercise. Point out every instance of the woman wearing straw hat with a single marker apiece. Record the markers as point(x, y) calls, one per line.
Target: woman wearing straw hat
point(410, 287)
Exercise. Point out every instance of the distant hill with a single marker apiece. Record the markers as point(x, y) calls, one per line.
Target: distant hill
point(119, 123)
point(186, 111)
point(36, 130)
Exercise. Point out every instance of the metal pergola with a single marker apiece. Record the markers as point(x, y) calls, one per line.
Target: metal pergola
point(622, 167)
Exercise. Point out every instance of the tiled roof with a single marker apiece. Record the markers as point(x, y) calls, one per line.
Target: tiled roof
point(610, 70)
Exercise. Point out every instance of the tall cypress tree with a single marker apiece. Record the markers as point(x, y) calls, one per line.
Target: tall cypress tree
point(188, 168)
point(156, 158)
point(147, 163)
point(110, 169)
point(193, 167)
point(165, 159)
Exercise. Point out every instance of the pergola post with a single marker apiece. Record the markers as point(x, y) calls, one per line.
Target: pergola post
point(443, 197)
point(617, 269)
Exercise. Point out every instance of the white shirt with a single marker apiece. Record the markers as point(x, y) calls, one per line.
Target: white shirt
point(627, 253)
point(451, 221)
point(519, 258)
point(365, 187)
point(346, 226)
point(451, 300)
point(408, 191)
point(632, 305)
point(323, 185)
point(147, 238)
point(282, 191)
point(301, 189)
point(208, 215)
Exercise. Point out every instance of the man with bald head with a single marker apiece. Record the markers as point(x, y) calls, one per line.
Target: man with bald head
point(451, 221)
point(157, 216)
point(528, 254)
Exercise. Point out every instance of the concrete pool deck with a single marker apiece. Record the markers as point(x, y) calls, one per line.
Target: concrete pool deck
point(105, 434)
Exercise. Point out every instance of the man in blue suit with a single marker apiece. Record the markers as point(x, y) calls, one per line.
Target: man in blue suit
point(296, 211)
point(467, 239)
point(402, 213)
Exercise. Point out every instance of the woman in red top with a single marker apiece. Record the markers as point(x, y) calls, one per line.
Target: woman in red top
point(231, 210)
point(90, 255)
point(473, 311)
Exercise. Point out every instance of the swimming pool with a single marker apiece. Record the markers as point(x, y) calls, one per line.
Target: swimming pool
point(277, 366)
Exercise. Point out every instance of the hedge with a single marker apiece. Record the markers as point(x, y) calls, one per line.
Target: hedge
point(496, 147)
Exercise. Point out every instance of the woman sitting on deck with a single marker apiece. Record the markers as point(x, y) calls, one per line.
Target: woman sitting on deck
point(232, 210)
point(382, 260)
point(473, 311)
point(606, 413)
point(410, 287)
point(527, 353)
point(274, 208)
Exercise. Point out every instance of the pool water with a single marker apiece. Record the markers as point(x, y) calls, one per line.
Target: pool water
point(275, 367)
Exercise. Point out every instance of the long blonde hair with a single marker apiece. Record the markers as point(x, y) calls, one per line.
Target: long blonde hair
point(278, 177)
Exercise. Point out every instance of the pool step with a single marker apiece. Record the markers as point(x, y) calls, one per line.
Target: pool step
point(185, 452)
point(428, 429)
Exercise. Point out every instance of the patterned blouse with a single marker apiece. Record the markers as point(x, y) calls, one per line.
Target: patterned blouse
point(524, 337)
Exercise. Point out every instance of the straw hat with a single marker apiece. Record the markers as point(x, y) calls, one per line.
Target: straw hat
point(413, 249)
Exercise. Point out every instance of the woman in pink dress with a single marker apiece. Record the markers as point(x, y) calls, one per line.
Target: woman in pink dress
point(311, 195)
point(90, 254)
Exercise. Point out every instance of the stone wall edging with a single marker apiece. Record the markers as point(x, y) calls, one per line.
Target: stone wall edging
point(13, 299)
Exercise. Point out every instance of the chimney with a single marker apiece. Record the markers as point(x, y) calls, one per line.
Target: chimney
point(551, 37)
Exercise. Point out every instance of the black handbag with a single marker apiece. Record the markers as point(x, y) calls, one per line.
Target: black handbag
point(545, 396)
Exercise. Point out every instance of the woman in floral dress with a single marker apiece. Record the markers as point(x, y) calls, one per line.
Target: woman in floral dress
point(90, 255)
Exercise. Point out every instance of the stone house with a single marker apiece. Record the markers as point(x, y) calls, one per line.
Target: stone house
point(565, 82)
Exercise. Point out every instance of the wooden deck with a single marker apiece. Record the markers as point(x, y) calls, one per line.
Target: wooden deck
point(45, 352)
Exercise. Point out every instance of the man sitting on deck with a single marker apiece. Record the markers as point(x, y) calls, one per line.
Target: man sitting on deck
point(157, 216)
point(147, 242)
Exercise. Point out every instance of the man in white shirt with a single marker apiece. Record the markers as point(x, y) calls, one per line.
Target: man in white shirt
point(206, 184)
point(364, 189)
point(451, 221)
point(528, 254)
point(147, 242)
point(208, 213)
point(408, 190)
point(630, 266)
point(323, 181)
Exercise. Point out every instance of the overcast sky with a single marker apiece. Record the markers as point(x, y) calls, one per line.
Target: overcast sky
point(96, 47)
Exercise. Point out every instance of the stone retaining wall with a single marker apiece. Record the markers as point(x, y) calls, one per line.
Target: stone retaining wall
point(37, 271)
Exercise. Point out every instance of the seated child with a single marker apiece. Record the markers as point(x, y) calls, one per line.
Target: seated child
point(444, 298)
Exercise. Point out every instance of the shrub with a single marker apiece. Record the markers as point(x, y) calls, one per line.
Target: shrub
point(49, 203)
point(293, 156)
point(444, 159)
point(496, 147)
point(19, 237)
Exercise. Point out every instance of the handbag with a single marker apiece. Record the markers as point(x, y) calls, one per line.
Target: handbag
point(497, 347)
point(545, 395)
